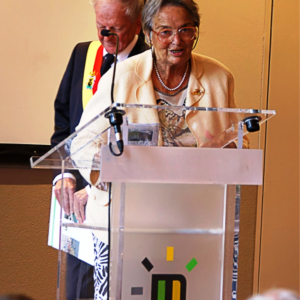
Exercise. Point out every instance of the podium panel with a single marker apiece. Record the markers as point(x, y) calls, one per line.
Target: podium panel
point(182, 165)
point(172, 241)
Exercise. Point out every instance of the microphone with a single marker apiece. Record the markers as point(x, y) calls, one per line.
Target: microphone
point(115, 116)
point(106, 32)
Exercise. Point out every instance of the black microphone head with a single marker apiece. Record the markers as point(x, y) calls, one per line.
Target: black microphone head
point(105, 32)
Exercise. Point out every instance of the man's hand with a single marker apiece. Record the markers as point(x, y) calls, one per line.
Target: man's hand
point(80, 200)
point(68, 194)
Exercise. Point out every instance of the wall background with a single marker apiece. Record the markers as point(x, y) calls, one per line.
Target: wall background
point(27, 264)
point(39, 38)
point(277, 236)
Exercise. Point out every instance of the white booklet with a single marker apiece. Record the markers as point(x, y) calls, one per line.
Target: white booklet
point(74, 240)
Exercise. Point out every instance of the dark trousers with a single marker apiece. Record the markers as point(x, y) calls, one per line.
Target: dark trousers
point(79, 279)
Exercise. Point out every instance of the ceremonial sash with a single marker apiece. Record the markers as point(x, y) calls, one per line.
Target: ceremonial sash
point(92, 74)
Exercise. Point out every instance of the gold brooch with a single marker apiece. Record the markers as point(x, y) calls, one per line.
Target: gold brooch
point(196, 92)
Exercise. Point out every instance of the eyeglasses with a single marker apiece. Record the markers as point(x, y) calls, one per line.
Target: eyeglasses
point(186, 34)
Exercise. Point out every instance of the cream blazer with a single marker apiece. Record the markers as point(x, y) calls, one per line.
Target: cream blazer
point(211, 84)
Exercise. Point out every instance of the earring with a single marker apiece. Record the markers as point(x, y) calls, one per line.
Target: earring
point(152, 52)
point(148, 40)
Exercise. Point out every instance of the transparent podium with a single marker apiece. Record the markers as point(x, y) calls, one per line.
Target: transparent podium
point(171, 214)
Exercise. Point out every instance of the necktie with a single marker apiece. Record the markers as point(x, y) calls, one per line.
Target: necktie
point(108, 60)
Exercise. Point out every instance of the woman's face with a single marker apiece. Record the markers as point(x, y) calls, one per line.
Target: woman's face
point(177, 52)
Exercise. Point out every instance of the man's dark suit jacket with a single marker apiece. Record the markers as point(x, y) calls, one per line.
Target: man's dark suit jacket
point(68, 102)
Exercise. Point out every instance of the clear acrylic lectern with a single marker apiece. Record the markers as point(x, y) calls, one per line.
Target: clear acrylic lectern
point(174, 216)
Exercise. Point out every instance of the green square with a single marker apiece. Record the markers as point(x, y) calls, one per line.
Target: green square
point(191, 265)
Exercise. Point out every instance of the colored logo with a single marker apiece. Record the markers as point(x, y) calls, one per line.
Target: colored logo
point(168, 287)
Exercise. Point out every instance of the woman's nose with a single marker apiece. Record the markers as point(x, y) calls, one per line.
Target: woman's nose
point(176, 39)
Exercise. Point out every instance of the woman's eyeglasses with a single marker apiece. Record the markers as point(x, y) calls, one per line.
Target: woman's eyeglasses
point(186, 34)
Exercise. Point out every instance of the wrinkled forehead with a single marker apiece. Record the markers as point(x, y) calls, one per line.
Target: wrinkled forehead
point(110, 13)
point(172, 14)
point(112, 4)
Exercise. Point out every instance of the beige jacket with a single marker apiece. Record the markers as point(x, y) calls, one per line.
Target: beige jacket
point(211, 84)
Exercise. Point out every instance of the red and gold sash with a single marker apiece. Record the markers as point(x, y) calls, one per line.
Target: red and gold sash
point(92, 74)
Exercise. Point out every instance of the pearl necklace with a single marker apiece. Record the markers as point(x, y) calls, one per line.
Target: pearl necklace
point(162, 83)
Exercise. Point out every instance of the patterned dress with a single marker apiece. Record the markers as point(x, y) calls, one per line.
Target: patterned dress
point(174, 129)
point(101, 269)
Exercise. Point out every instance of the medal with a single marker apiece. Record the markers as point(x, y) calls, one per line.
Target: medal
point(91, 80)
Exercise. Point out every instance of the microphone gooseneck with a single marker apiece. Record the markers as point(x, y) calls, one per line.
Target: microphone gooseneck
point(115, 116)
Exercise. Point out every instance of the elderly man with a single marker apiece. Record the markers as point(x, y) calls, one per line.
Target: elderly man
point(89, 61)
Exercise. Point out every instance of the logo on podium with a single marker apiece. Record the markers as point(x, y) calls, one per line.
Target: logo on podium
point(168, 287)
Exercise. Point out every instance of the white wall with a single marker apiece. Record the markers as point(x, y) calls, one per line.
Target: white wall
point(37, 38)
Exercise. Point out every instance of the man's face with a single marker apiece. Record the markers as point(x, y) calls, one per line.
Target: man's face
point(112, 16)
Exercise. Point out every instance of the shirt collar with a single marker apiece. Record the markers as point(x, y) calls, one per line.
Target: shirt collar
point(124, 54)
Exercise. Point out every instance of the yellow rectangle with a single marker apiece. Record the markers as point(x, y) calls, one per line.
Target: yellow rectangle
point(176, 290)
point(170, 253)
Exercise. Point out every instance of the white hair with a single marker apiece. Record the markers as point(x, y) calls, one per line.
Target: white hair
point(133, 8)
point(152, 8)
point(276, 294)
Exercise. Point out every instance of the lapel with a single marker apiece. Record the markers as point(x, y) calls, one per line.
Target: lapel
point(144, 91)
point(194, 95)
point(138, 48)
point(195, 89)
point(143, 70)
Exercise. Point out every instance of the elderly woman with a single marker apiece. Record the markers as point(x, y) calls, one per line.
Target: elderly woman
point(168, 74)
